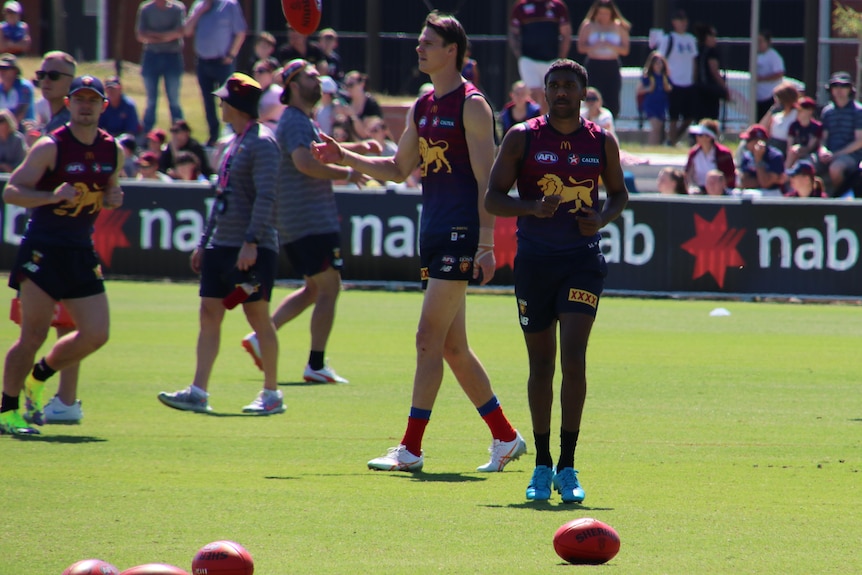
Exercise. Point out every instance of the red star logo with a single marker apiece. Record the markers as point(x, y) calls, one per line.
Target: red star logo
point(714, 247)
point(505, 242)
point(108, 233)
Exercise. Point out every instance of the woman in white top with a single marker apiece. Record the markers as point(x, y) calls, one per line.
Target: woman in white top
point(594, 111)
point(778, 119)
point(604, 37)
point(770, 72)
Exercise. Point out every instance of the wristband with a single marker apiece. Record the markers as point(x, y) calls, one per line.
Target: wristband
point(350, 173)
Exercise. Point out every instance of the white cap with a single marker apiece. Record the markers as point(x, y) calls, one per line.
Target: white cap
point(328, 85)
point(13, 6)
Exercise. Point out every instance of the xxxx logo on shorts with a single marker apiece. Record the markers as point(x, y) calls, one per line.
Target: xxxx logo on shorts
point(582, 296)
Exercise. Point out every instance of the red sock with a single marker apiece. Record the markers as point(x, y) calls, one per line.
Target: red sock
point(500, 427)
point(413, 436)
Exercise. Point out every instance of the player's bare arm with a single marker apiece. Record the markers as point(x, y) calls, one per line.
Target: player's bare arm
point(113, 197)
point(479, 133)
point(394, 169)
point(589, 220)
point(504, 173)
point(20, 190)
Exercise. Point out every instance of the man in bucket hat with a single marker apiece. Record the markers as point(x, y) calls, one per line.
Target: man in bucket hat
point(238, 254)
point(842, 134)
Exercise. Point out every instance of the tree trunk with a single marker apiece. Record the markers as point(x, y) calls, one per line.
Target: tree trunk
point(58, 15)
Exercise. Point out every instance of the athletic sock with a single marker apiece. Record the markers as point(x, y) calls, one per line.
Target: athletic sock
point(568, 443)
point(416, 424)
point(543, 449)
point(42, 371)
point(493, 415)
point(315, 359)
point(9, 403)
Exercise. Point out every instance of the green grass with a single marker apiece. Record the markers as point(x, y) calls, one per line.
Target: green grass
point(713, 445)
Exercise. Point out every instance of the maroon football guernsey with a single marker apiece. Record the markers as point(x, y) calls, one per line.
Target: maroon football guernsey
point(559, 164)
point(449, 189)
point(87, 167)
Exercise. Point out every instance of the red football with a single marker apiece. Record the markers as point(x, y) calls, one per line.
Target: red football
point(223, 558)
point(155, 569)
point(586, 542)
point(91, 567)
point(302, 15)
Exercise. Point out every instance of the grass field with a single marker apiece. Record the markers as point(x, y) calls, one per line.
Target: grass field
point(712, 444)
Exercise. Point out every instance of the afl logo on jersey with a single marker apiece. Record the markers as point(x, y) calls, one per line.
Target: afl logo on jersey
point(76, 168)
point(423, 121)
point(546, 157)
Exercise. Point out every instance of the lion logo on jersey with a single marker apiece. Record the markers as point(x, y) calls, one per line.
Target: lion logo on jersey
point(579, 192)
point(434, 152)
point(85, 198)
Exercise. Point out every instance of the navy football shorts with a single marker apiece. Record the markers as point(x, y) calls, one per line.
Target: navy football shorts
point(219, 275)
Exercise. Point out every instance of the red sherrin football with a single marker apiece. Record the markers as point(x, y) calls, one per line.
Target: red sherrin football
point(586, 542)
point(155, 569)
point(91, 567)
point(223, 558)
point(302, 15)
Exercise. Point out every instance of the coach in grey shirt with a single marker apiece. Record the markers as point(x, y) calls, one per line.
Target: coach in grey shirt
point(160, 29)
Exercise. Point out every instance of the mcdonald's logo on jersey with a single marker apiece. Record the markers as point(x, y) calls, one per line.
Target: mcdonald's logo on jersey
point(566, 145)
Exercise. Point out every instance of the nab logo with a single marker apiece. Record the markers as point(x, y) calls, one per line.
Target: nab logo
point(546, 157)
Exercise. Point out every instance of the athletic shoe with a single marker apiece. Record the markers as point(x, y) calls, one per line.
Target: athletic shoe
point(539, 488)
point(502, 452)
point(12, 423)
point(252, 346)
point(58, 412)
point(34, 406)
point(186, 400)
point(323, 375)
point(266, 403)
point(398, 459)
point(566, 483)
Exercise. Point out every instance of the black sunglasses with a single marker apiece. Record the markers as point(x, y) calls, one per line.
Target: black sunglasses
point(52, 75)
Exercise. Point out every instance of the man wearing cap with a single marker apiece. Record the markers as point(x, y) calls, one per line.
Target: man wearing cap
point(240, 246)
point(16, 93)
point(182, 141)
point(762, 166)
point(121, 115)
point(159, 27)
point(148, 168)
point(842, 133)
point(308, 224)
point(219, 29)
point(66, 179)
point(14, 32)
point(804, 134)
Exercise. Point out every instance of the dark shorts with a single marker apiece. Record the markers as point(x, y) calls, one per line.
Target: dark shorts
point(61, 272)
point(312, 255)
point(219, 275)
point(548, 287)
point(683, 103)
point(451, 260)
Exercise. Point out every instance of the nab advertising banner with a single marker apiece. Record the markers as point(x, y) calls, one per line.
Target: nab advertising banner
point(659, 244)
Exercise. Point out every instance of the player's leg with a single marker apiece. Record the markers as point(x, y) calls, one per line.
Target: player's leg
point(37, 310)
point(65, 407)
point(92, 320)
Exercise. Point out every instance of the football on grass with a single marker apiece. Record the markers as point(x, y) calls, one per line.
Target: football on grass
point(155, 569)
point(302, 15)
point(91, 567)
point(586, 542)
point(223, 558)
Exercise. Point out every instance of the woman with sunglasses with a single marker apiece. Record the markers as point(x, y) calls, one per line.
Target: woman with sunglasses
point(362, 104)
point(594, 111)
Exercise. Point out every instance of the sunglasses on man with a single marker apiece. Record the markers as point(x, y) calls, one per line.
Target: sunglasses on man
point(52, 75)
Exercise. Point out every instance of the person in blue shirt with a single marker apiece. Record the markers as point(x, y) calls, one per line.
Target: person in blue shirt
point(16, 93)
point(14, 33)
point(762, 166)
point(121, 115)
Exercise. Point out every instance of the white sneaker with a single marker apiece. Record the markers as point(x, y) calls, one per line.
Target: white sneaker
point(502, 452)
point(186, 400)
point(58, 412)
point(252, 346)
point(324, 375)
point(267, 402)
point(398, 459)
